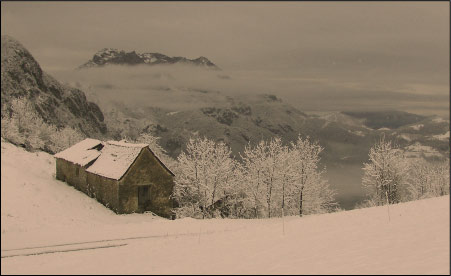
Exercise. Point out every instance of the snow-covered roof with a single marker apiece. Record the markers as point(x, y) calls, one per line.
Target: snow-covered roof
point(81, 153)
point(111, 161)
point(115, 159)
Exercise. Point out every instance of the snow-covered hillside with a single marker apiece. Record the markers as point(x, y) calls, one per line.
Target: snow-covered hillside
point(47, 227)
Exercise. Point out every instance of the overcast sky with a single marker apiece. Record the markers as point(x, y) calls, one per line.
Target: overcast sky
point(392, 46)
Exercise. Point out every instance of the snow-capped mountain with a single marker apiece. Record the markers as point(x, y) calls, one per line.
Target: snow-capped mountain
point(109, 56)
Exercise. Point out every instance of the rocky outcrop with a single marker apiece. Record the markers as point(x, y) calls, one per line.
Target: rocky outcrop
point(58, 104)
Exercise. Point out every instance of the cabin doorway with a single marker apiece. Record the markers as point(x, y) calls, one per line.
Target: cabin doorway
point(144, 197)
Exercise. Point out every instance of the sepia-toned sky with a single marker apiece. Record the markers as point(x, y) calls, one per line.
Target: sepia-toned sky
point(395, 47)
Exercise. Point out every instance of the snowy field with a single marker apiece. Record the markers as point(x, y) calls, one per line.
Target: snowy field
point(47, 227)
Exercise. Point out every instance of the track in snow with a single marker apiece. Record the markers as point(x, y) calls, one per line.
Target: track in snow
point(61, 250)
point(67, 247)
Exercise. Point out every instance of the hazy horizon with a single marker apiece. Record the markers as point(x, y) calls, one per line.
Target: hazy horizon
point(316, 55)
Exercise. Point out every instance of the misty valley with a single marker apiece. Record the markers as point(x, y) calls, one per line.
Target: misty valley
point(177, 101)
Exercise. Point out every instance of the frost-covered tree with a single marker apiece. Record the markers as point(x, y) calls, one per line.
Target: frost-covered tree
point(154, 145)
point(64, 138)
point(309, 191)
point(419, 179)
point(286, 178)
point(305, 160)
point(24, 126)
point(385, 174)
point(153, 142)
point(254, 160)
point(427, 179)
point(441, 178)
point(239, 203)
point(288, 175)
point(273, 171)
point(318, 196)
point(265, 166)
point(206, 174)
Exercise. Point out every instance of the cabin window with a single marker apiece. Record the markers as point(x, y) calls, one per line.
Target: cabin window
point(144, 197)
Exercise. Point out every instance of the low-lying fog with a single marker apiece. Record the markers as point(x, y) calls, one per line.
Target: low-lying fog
point(167, 86)
point(178, 87)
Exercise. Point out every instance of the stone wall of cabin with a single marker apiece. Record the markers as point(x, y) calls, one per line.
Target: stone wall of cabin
point(105, 190)
point(147, 170)
point(73, 174)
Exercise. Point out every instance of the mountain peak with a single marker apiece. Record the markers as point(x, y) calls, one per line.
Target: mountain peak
point(108, 56)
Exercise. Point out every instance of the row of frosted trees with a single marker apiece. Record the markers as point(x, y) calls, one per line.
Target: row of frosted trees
point(390, 177)
point(271, 179)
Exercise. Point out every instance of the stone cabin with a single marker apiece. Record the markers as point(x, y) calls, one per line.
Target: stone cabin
point(125, 177)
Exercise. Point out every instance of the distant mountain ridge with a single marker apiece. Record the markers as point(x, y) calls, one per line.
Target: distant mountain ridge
point(239, 120)
point(57, 104)
point(109, 56)
point(389, 119)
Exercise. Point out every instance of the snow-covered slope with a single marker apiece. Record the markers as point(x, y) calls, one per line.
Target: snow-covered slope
point(47, 227)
